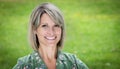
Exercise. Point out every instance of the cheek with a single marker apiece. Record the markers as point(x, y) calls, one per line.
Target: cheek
point(40, 32)
point(59, 32)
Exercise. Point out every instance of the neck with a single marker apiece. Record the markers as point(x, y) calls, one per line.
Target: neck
point(48, 53)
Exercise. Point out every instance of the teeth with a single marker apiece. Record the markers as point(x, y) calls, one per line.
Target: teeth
point(50, 38)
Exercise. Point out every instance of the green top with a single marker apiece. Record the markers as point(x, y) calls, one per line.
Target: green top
point(64, 61)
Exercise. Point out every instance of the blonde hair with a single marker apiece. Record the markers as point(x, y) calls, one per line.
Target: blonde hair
point(34, 22)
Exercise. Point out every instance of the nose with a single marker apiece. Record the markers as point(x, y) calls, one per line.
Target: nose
point(51, 31)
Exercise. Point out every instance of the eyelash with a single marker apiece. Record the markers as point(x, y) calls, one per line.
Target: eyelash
point(57, 26)
point(54, 25)
point(44, 25)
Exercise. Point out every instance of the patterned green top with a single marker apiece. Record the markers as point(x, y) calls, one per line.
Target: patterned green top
point(64, 61)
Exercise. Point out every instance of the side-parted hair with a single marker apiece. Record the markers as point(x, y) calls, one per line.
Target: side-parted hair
point(54, 13)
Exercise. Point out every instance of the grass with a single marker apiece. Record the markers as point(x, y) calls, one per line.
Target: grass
point(92, 31)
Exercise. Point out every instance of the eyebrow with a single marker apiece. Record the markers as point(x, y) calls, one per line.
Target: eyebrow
point(43, 23)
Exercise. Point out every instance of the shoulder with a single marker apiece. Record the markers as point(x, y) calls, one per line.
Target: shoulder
point(74, 60)
point(68, 56)
point(25, 61)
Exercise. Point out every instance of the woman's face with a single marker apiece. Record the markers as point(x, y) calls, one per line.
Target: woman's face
point(48, 32)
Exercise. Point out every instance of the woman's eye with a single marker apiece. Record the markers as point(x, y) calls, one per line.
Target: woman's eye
point(57, 26)
point(44, 25)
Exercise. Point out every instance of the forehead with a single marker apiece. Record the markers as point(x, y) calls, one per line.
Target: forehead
point(45, 18)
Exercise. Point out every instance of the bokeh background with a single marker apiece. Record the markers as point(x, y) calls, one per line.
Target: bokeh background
point(92, 31)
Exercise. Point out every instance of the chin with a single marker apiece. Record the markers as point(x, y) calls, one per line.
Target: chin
point(51, 45)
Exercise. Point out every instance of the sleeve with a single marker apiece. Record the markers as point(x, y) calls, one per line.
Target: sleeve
point(80, 64)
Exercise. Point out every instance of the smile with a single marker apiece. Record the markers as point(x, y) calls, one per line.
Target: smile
point(50, 38)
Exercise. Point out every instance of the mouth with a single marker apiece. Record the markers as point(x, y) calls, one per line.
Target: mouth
point(50, 38)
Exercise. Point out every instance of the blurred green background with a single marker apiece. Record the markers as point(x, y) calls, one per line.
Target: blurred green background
point(92, 31)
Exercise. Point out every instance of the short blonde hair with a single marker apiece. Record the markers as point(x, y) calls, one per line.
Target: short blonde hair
point(34, 22)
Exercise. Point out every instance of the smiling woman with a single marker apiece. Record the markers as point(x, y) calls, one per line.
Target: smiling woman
point(46, 35)
point(49, 33)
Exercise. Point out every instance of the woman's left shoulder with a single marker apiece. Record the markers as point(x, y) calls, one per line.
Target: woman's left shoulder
point(76, 61)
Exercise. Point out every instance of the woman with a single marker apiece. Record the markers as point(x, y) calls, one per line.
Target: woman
point(46, 37)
